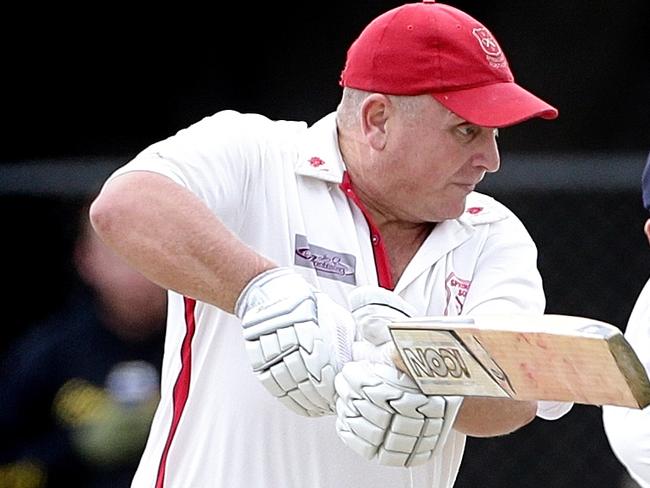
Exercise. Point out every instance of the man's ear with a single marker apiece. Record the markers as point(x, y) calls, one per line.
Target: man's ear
point(375, 111)
point(646, 229)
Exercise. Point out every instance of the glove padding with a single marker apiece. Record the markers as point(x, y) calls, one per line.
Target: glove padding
point(373, 308)
point(382, 415)
point(297, 339)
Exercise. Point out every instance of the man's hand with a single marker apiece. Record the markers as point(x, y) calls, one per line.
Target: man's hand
point(381, 414)
point(297, 339)
point(373, 308)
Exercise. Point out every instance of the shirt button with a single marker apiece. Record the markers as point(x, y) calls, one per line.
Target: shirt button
point(375, 239)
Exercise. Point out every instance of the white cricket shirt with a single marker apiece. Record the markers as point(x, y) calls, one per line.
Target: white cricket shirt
point(277, 185)
point(627, 429)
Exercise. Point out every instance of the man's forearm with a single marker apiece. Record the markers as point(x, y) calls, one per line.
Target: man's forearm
point(489, 417)
point(170, 236)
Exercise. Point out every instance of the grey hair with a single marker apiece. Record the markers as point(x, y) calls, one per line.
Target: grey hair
point(347, 112)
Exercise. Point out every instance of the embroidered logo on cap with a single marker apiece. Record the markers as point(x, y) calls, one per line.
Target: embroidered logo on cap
point(490, 47)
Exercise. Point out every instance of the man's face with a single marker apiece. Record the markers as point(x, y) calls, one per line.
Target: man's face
point(432, 160)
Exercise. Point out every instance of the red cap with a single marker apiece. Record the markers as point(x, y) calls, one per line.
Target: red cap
point(433, 48)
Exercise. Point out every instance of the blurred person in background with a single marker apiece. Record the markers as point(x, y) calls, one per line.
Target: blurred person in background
point(78, 391)
point(628, 430)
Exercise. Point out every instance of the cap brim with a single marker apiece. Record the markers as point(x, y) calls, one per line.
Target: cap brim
point(496, 105)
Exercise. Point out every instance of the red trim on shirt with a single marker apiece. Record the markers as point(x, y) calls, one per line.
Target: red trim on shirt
point(182, 386)
point(382, 263)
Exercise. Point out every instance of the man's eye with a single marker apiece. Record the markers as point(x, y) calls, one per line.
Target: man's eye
point(468, 130)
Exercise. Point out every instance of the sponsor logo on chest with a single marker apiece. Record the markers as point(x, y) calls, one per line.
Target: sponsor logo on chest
point(330, 264)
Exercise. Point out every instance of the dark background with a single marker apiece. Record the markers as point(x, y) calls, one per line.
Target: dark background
point(113, 81)
point(105, 82)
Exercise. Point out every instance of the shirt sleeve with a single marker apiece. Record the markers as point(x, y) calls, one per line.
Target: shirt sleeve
point(507, 280)
point(221, 159)
point(627, 429)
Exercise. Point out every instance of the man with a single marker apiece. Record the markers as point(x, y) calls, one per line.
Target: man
point(628, 430)
point(79, 390)
point(281, 224)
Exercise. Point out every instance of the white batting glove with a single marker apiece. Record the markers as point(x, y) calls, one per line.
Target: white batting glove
point(373, 308)
point(297, 339)
point(382, 415)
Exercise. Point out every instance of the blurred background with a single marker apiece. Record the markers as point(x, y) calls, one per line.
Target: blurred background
point(85, 91)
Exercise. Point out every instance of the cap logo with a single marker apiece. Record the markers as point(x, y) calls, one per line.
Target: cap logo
point(490, 47)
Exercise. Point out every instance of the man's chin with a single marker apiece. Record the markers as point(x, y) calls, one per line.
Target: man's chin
point(448, 215)
point(457, 210)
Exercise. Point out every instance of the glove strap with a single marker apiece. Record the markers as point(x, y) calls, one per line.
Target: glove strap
point(253, 293)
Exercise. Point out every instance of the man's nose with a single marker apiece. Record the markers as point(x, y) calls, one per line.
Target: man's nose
point(492, 160)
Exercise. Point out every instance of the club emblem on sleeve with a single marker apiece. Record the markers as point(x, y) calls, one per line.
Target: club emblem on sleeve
point(457, 289)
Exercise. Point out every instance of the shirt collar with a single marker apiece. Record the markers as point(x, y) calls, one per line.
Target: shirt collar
point(320, 156)
point(481, 209)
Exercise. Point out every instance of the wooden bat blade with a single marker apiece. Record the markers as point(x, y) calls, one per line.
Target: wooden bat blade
point(546, 357)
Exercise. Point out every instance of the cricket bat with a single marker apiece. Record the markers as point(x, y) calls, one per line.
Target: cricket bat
point(537, 357)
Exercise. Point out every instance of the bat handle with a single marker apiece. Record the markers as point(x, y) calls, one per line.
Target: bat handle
point(398, 361)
